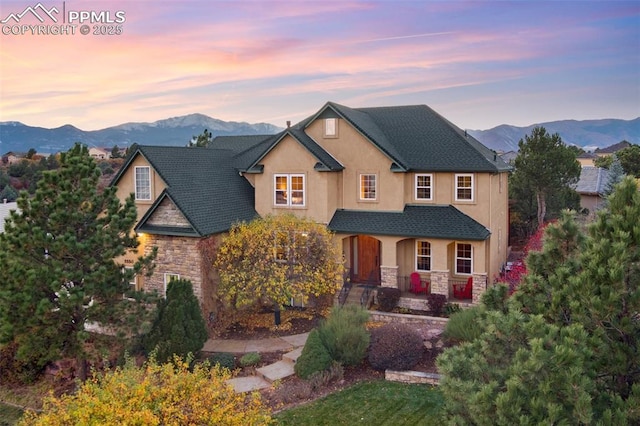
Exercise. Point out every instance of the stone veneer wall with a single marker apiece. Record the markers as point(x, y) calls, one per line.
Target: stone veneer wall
point(176, 255)
point(168, 213)
point(440, 282)
point(389, 276)
point(478, 288)
point(379, 316)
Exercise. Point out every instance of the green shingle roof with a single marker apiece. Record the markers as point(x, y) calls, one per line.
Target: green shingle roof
point(416, 138)
point(431, 221)
point(202, 183)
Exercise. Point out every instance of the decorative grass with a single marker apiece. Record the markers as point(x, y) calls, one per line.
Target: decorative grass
point(371, 403)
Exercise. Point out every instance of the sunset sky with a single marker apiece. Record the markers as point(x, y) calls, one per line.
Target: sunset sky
point(480, 64)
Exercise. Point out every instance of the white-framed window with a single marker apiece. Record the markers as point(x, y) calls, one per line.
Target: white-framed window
point(143, 182)
point(424, 187)
point(368, 186)
point(331, 127)
point(168, 277)
point(464, 187)
point(289, 190)
point(464, 259)
point(423, 256)
point(133, 283)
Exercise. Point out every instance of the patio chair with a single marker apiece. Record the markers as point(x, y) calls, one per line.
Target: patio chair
point(463, 291)
point(416, 284)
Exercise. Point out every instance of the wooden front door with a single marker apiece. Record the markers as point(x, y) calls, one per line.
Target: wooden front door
point(366, 252)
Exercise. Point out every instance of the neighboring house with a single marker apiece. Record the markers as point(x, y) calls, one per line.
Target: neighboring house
point(5, 209)
point(586, 159)
point(591, 187)
point(402, 188)
point(605, 152)
point(100, 153)
point(13, 157)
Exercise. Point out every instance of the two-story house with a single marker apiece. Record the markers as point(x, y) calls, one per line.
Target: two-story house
point(403, 189)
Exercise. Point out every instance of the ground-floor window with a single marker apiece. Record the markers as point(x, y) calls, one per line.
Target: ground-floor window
point(423, 256)
point(464, 263)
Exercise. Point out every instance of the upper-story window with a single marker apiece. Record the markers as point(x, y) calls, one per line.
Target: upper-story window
point(464, 259)
point(423, 256)
point(424, 187)
point(289, 190)
point(143, 183)
point(464, 187)
point(331, 127)
point(368, 190)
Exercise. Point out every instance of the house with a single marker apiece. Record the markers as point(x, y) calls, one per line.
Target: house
point(591, 187)
point(586, 159)
point(606, 152)
point(100, 153)
point(13, 157)
point(5, 209)
point(403, 189)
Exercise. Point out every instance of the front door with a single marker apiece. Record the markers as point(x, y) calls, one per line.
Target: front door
point(366, 258)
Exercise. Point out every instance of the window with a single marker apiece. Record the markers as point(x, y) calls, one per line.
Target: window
point(463, 259)
point(143, 183)
point(331, 127)
point(289, 190)
point(367, 187)
point(133, 283)
point(423, 256)
point(423, 187)
point(464, 187)
point(168, 277)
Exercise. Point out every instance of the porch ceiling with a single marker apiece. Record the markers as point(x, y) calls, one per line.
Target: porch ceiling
point(433, 221)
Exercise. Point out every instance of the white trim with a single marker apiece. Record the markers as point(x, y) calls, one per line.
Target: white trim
point(456, 187)
point(361, 187)
point(331, 127)
point(423, 256)
point(463, 258)
point(288, 191)
point(431, 186)
point(135, 182)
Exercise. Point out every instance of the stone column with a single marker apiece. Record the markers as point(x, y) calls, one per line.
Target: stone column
point(440, 282)
point(479, 287)
point(389, 276)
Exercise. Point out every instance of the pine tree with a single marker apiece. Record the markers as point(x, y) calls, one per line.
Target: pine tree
point(616, 173)
point(59, 269)
point(179, 328)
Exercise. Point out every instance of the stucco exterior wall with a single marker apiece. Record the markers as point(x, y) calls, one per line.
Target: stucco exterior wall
point(126, 185)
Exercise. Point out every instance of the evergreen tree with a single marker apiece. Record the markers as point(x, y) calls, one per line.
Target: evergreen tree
point(202, 140)
point(179, 328)
point(630, 160)
point(59, 264)
point(567, 348)
point(544, 166)
point(616, 173)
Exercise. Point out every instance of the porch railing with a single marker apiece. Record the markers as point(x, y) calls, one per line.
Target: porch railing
point(346, 288)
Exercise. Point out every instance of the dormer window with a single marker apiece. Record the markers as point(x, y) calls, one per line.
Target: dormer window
point(331, 127)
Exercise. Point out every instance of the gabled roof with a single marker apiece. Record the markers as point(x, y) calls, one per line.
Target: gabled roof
point(248, 161)
point(418, 221)
point(200, 182)
point(613, 148)
point(593, 181)
point(416, 138)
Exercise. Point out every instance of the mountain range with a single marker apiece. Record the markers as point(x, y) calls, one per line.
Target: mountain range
point(178, 131)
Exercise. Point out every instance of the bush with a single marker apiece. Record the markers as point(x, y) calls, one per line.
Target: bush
point(388, 298)
point(13, 371)
point(395, 346)
point(463, 326)
point(250, 359)
point(179, 328)
point(344, 334)
point(168, 394)
point(314, 358)
point(436, 303)
point(321, 379)
point(224, 360)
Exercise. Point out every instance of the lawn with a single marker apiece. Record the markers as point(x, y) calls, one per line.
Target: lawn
point(9, 415)
point(371, 403)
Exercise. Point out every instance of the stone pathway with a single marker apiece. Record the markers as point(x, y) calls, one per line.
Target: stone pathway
point(268, 374)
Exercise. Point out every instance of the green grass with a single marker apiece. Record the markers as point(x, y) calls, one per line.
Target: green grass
point(9, 415)
point(371, 403)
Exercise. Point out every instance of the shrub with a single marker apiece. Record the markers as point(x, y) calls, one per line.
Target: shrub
point(250, 359)
point(168, 394)
point(314, 357)
point(344, 334)
point(395, 346)
point(321, 379)
point(14, 371)
point(388, 298)
point(451, 308)
point(224, 360)
point(179, 328)
point(436, 303)
point(463, 326)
